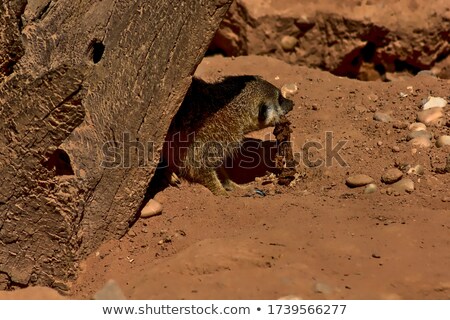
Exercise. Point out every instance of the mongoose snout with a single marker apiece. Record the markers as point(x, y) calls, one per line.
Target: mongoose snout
point(211, 124)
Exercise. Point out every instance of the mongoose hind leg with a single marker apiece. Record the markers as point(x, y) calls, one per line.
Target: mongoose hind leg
point(209, 179)
point(229, 184)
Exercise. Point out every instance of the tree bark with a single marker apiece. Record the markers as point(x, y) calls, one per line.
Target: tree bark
point(87, 92)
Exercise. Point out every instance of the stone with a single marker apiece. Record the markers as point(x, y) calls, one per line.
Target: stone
point(430, 116)
point(152, 208)
point(417, 126)
point(290, 297)
point(370, 188)
point(382, 117)
point(391, 175)
point(417, 134)
point(404, 185)
point(289, 89)
point(421, 142)
point(288, 43)
point(320, 287)
point(434, 102)
point(443, 141)
point(358, 180)
point(110, 291)
point(417, 170)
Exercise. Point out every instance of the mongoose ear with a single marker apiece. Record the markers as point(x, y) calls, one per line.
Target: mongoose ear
point(263, 110)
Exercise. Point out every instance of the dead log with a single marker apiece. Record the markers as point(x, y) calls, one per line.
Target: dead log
point(87, 91)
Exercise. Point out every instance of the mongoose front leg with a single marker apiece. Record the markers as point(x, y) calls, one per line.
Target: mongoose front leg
point(209, 179)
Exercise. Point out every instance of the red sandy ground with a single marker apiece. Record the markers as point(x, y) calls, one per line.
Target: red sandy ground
point(318, 239)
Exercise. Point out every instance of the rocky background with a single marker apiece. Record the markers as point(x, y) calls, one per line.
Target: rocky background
point(363, 39)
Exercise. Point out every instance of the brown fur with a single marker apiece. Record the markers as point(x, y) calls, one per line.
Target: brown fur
point(212, 122)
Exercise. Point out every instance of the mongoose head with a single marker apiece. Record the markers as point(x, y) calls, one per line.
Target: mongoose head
point(270, 103)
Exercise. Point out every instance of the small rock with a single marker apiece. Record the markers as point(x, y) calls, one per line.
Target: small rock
point(358, 180)
point(322, 288)
point(376, 256)
point(152, 208)
point(111, 291)
point(434, 102)
point(427, 73)
point(430, 116)
point(417, 134)
point(417, 126)
point(379, 143)
point(391, 175)
point(382, 117)
point(443, 141)
point(288, 43)
point(417, 170)
point(395, 149)
point(370, 188)
point(289, 89)
point(400, 125)
point(373, 97)
point(404, 185)
point(446, 199)
point(420, 142)
point(290, 297)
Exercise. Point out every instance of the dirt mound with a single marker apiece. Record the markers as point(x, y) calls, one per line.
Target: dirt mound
point(368, 40)
point(317, 238)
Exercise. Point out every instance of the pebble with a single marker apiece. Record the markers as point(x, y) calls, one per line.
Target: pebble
point(443, 141)
point(358, 180)
point(391, 175)
point(370, 188)
point(418, 134)
point(417, 170)
point(421, 142)
point(111, 291)
point(152, 208)
point(404, 185)
point(430, 116)
point(288, 90)
point(382, 117)
point(320, 287)
point(400, 125)
point(417, 126)
point(290, 297)
point(446, 199)
point(434, 102)
point(395, 149)
point(288, 43)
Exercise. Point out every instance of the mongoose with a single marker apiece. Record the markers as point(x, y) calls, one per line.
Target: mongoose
point(211, 124)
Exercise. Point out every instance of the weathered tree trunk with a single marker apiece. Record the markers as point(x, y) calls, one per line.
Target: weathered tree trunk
point(86, 89)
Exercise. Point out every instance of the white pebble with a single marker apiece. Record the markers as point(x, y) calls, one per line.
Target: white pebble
point(417, 126)
point(434, 102)
point(420, 142)
point(288, 43)
point(370, 188)
point(152, 208)
point(443, 141)
point(430, 116)
point(288, 90)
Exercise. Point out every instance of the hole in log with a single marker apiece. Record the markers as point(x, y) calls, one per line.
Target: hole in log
point(59, 161)
point(96, 49)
